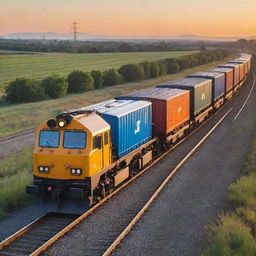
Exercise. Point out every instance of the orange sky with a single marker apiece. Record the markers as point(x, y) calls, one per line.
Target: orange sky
point(132, 17)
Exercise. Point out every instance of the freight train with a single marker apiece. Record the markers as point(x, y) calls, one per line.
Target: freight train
point(86, 153)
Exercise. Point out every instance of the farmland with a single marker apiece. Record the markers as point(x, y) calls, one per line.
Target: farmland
point(38, 66)
point(15, 118)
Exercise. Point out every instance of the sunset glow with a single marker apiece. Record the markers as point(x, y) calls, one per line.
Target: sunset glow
point(131, 18)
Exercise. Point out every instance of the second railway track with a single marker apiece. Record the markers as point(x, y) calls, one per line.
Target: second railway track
point(27, 240)
point(16, 135)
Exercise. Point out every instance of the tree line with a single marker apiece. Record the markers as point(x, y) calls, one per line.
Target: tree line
point(93, 46)
point(23, 90)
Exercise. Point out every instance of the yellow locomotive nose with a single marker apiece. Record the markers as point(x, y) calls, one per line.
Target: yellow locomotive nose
point(58, 165)
point(68, 152)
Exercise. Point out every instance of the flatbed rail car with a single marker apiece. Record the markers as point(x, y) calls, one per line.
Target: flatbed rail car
point(86, 153)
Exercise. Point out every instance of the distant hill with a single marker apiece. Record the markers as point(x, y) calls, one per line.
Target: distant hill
point(87, 36)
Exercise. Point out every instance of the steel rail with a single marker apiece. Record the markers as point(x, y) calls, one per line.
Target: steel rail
point(41, 230)
point(18, 134)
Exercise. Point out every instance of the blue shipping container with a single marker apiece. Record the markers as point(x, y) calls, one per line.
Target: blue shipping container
point(130, 122)
point(218, 82)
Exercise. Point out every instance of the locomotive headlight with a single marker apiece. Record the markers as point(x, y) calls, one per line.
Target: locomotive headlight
point(76, 171)
point(43, 169)
point(62, 123)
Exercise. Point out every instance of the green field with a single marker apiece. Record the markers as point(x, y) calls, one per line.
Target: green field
point(18, 117)
point(38, 66)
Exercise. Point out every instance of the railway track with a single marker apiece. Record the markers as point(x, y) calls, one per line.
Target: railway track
point(27, 240)
point(16, 135)
point(31, 241)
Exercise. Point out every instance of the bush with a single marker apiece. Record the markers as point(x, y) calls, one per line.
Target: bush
point(24, 90)
point(162, 68)
point(55, 86)
point(154, 69)
point(243, 192)
point(250, 164)
point(97, 78)
point(172, 66)
point(249, 217)
point(131, 72)
point(79, 81)
point(230, 237)
point(111, 77)
point(146, 69)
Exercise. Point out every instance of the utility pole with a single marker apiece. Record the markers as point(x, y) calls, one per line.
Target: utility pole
point(75, 35)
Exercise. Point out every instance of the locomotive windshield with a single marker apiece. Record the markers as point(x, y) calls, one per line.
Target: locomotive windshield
point(49, 139)
point(74, 140)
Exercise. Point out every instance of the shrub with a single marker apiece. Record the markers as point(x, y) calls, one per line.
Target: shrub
point(180, 63)
point(111, 77)
point(131, 72)
point(172, 66)
point(97, 78)
point(230, 237)
point(24, 90)
point(249, 217)
point(79, 81)
point(243, 192)
point(162, 68)
point(55, 86)
point(250, 164)
point(154, 69)
point(146, 69)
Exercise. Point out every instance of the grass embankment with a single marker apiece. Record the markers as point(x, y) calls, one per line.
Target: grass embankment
point(235, 232)
point(38, 66)
point(15, 174)
point(15, 118)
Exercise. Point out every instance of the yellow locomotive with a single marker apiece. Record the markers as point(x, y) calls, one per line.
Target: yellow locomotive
point(74, 156)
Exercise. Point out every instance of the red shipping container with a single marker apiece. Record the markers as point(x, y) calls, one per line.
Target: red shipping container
point(170, 107)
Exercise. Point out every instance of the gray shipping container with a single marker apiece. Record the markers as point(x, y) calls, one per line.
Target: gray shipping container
point(200, 92)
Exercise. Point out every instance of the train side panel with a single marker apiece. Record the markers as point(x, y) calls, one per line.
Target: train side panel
point(130, 122)
point(236, 69)
point(170, 107)
point(218, 82)
point(200, 92)
point(229, 77)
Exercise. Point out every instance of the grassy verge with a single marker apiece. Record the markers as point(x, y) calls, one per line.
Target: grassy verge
point(15, 118)
point(15, 174)
point(235, 232)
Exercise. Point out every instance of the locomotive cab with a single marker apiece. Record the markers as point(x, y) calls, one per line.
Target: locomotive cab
point(67, 153)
